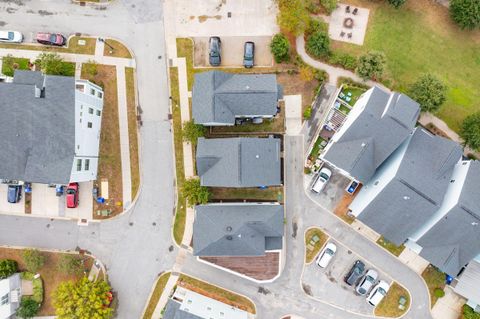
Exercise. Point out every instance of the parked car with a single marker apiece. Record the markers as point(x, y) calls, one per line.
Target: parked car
point(14, 193)
point(11, 36)
point(322, 178)
point(355, 273)
point(248, 54)
point(215, 46)
point(72, 195)
point(367, 282)
point(326, 255)
point(51, 38)
point(378, 293)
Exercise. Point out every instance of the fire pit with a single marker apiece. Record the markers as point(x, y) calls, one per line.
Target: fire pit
point(348, 23)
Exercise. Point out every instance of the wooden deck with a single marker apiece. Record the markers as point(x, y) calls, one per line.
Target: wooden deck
point(259, 268)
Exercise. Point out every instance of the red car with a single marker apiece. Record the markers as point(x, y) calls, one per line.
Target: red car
point(72, 195)
point(51, 38)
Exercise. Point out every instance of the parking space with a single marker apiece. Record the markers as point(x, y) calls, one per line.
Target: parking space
point(6, 207)
point(85, 203)
point(328, 284)
point(232, 51)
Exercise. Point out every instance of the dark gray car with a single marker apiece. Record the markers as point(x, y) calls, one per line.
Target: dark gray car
point(215, 47)
point(355, 273)
point(248, 54)
point(14, 193)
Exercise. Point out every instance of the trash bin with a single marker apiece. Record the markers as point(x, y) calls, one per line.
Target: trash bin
point(100, 200)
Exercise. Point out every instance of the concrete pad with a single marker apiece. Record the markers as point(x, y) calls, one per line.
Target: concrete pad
point(293, 114)
point(188, 159)
point(448, 307)
point(9, 208)
point(413, 260)
point(358, 30)
point(365, 230)
point(45, 202)
point(232, 51)
point(214, 17)
point(84, 209)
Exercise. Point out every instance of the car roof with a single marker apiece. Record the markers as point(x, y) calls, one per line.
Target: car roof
point(43, 35)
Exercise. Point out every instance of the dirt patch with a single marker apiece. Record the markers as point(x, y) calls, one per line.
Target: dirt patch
point(436, 131)
point(342, 207)
point(204, 18)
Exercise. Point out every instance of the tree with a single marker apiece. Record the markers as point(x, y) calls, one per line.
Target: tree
point(280, 48)
point(371, 65)
point(466, 13)
point(52, 63)
point(194, 192)
point(191, 132)
point(329, 5)
point(82, 300)
point(293, 16)
point(429, 91)
point(7, 268)
point(318, 44)
point(34, 260)
point(28, 308)
point(397, 3)
point(70, 264)
point(470, 131)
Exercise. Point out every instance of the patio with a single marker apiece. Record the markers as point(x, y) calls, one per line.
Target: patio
point(348, 24)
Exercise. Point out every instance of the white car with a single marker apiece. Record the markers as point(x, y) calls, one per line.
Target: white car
point(322, 179)
point(367, 282)
point(11, 36)
point(378, 293)
point(326, 255)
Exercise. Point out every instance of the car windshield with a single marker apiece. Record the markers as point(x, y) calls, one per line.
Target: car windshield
point(324, 176)
point(53, 38)
point(11, 35)
point(70, 191)
point(369, 278)
point(382, 291)
point(329, 252)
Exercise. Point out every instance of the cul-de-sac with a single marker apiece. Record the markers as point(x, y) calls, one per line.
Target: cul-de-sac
point(239, 159)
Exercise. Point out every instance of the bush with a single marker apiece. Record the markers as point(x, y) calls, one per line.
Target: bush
point(91, 68)
point(318, 44)
point(469, 313)
point(307, 113)
point(345, 60)
point(7, 268)
point(371, 65)
point(312, 6)
point(351, 82)
point(315, 25)
point(191, 132)
point(280, 48)
point(293, 16)
point(307, 73)
point(34, 260)
point(439, 292)
point(466, 13)
point(429, 91)
point(397, 3)
point(28, 308)
point(194, 192)
point(329, 5)
point(70, 264)
point(470, 131)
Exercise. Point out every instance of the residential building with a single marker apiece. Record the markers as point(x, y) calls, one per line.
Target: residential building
point(187, 304)
point(239, 162)
point(409, 187)
point(467, 283)
point(49, 128)
point(219, 98)
point(377, 125)
point(10, 295)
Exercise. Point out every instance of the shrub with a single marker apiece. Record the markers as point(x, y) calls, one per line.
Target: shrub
point(371, 65)
point(439, 292)
point(191, 132)
point(34, 260)
point(91, 68)
point(351, 82)
point(307, 73)
point(307, 113)
point(469, 313)
point(470, 131)
point(429, 91)
point(466, 13)
point(397, 3)
point(329, 5)
point(345, 60)
point(292, 16)
point(7, 268)
point(315, 25)
point(194, 192)
point(312, 6)
point(70, 264)
point(28, 308)
point(318, 44)
point(280, 48)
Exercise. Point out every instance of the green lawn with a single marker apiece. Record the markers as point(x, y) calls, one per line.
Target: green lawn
point(391, 247)
point(388, 307)
point(310, 254)
point(248, 193)
point(420, 38)
point(157, 292)
point(354, 91)
point(10, 64)
point(435, 279)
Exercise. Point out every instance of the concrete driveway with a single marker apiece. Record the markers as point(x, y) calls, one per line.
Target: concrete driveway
point(328, 284)
point(5, 206)
point(333, 192)
point(232, 51)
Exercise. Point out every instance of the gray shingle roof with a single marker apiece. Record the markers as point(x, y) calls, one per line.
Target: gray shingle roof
point(455, 240)
point(241, 229)
point(219, 97)
point(172, 311)
point(375, 134)
point(416, 192)
point(37, 134)
point(239, 162)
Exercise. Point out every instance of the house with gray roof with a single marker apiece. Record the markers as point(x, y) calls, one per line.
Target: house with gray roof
point(49, 128)
point(218, 98)
point(239, 162)
point(237, 229)
point(467, 283)
point(10, 296)
point(377, 125)
point(409, 188)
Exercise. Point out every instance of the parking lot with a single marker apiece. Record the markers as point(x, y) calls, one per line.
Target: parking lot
point(328, 284)
point(232, 51)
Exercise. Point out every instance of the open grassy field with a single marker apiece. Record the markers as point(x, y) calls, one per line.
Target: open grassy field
point(419, 38)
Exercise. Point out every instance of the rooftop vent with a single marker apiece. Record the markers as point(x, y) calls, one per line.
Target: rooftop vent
point(39, 92)
point(229, 228)
point(229, 237)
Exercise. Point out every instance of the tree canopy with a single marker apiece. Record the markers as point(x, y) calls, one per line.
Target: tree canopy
point(191, 132)
point(7, 268)
point(466, 13)
point(429, 91)
point(28, 308)
point(293, 16)
point(194, 192)
point(318, 44)
point(397, 3)
point(280, 48)
point(329, 5)
point(371, 65)
point(470, 131)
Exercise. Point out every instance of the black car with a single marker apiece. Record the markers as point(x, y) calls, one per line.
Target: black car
point(215, 46)
point(355, 273)
point(248, 54)
point(14, 193)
